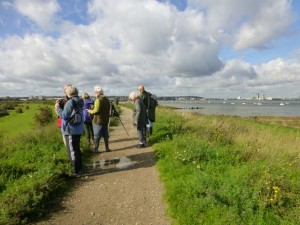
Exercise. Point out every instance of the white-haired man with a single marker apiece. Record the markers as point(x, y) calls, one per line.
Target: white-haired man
point(139, 118)
point(100, 114)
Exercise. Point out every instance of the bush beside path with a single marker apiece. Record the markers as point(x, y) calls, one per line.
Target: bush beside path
point(118, 187)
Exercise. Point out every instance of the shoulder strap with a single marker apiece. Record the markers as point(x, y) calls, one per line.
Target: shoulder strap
point(149, 96)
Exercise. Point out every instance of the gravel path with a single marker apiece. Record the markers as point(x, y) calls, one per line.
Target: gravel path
point(121, 187)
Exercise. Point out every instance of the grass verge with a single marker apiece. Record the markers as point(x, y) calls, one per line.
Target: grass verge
point(227, 170)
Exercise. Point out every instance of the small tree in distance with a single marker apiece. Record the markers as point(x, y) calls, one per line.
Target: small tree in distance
point(19, 109)
point(44, 117)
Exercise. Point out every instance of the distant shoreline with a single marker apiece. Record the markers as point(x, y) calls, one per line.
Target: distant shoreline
point(238, 108)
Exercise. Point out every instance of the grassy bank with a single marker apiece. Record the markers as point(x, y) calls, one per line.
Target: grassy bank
point(31, 174)
point(228, 170)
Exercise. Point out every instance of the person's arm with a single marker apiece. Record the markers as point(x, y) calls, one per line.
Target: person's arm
point(67, 111)
point(96, 108)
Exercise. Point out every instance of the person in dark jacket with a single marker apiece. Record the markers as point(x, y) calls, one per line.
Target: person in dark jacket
point(150, 104)
point(100, 118)
point(139, 118)
point(72, 132)
point(87, 117)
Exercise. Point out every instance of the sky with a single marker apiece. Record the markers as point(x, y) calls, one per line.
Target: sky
point(207, 48)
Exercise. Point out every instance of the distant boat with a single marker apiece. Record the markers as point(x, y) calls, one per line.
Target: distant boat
point(259, 103)
point(244, 103)
point(224, 102)
point(281, 103)
point(232, 103)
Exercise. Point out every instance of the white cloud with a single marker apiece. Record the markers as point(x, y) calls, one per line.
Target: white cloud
point(39, 11)
point(134, 42)
point(247, 23)
point(269, 22)
point(278, 71)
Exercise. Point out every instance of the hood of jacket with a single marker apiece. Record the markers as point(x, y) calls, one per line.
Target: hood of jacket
point(78, 100)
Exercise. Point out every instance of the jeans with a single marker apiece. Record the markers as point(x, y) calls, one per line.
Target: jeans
point(100, 131)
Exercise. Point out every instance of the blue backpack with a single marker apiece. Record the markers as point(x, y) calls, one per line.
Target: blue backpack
point(76, 117)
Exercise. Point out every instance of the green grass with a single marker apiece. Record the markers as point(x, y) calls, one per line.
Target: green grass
point(227, 170)
point(16, 123)
point(31, 172)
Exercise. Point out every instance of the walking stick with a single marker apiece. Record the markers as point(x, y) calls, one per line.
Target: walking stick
point(113, 112)
point(123, 125)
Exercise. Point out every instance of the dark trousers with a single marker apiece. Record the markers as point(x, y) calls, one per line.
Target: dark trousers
point(141, 130)
point(88, 130)
point(73, 142)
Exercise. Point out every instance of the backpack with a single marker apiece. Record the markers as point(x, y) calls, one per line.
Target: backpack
point(152, 103)
point(76, 117)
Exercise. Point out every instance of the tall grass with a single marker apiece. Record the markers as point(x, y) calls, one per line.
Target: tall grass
point(227, 170)
point(31, 172)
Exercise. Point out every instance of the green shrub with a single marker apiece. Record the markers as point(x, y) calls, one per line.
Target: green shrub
point(3, 112)
point(19, 109)
point(44, 117)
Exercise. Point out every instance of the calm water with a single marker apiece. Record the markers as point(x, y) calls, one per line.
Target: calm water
point(238, 107)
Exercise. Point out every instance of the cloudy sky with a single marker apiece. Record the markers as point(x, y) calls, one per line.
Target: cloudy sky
point(209, 48)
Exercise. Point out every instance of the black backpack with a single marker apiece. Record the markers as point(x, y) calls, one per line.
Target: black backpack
point(152, 103)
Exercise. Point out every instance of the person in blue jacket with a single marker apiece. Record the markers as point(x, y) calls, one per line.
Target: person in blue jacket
point(87, 117)
point(72, 130)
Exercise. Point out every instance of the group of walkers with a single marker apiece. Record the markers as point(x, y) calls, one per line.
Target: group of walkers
point(83, 115)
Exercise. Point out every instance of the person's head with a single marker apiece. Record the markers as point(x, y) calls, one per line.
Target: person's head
point(65, 87)
point(98, 91)
point(85, 96)
point(71, 91)
point(132, 96)
point(141, 88)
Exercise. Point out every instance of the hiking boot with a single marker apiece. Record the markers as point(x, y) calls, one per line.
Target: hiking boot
point(141, 146)
point(108, 150)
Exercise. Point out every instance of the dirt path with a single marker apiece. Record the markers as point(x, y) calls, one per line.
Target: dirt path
point(121, 187)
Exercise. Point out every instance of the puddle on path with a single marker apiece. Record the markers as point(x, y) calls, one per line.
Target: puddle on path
point(120, 163)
